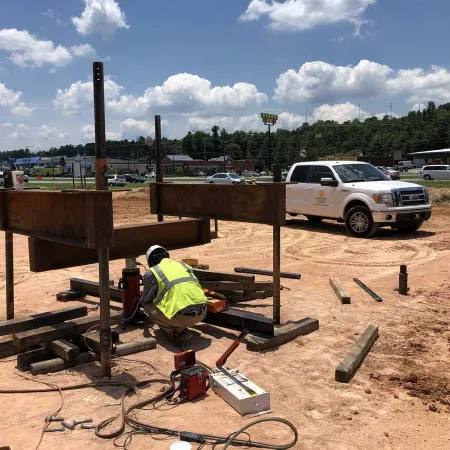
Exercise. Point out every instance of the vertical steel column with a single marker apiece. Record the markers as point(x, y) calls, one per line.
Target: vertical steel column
point(159, 176)
point(101, 184)
point(9, 254)
point(276, 257)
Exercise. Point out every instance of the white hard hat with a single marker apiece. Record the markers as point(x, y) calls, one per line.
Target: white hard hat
point(152, 249)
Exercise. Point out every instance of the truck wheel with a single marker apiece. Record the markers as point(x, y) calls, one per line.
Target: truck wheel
point(427, 176)
point(314, 219)
point(359, 222)
point(408, 228)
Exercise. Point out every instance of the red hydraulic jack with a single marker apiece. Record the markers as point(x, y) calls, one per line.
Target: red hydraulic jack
point(131, 283)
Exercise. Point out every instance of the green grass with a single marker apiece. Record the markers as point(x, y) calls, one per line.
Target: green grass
point(434, 184)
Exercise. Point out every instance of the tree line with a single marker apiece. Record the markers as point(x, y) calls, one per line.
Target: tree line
point(428, 129)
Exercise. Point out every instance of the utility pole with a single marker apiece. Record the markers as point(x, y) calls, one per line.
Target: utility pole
point(359, 113)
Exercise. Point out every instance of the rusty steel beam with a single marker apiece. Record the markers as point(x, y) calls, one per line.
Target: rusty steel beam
point(129, 242)
point(78, 218)
point(261, 203)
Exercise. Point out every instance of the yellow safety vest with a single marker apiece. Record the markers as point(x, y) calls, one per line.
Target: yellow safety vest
point(178, 287)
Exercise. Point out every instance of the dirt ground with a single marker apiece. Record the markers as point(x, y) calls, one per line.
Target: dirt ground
point(399, 398)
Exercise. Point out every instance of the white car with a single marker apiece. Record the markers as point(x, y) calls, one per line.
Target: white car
point(116, 180)
point(357, 194)
point(224, 178)
point(435, 172)
point(150, 175)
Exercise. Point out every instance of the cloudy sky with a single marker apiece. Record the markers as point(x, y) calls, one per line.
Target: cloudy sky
point(204, 62)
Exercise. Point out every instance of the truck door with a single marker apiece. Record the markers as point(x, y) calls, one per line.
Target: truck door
point(296, 193)
point(322, 201)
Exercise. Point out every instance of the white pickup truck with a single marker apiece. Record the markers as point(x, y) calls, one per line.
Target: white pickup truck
point(357, 194)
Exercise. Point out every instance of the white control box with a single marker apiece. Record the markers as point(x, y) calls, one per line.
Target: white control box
point(231, 386)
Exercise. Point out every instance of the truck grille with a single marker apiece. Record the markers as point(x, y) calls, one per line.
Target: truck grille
point(410, 197)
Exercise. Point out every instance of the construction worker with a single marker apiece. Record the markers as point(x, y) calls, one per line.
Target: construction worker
point(172, 295)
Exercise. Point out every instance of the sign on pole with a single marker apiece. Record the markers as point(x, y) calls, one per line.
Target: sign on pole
point(269, 119)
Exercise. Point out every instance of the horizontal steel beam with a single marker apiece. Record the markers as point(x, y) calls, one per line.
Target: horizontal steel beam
point(129, 242)
point(261, 203)
point(83, 219)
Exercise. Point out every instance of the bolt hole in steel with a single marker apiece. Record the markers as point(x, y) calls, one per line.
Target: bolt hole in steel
point(359, 222)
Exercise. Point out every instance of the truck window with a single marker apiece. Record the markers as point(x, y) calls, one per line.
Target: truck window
point(321, 172)
point(299, 174)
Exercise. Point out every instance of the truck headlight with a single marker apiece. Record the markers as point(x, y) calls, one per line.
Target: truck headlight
point(384, 198)
point(426, 195)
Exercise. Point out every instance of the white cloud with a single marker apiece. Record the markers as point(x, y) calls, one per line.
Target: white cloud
point(51, 133)
point(19, 133)
point(85, 50)
point(131, 128)
point(180, 93)
point(422, 85)
point(11, 100)
point(320, 81)
point(80, 96)
point(28, 51)
point(185, 92)
point(100, 16)
point(306, 14)
point(52, 15)
point(339, 112)
point(418, 107)
point(250, 122)
point(6, 125)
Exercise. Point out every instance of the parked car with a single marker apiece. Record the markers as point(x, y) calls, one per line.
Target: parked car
point(263, 174)
point(435, 172)
point(25, 178)
point(150, 175)
point(138, 179)
point(357, 194)
point(129, 177)
point(2, 179)
point(284, 175)
point(224, 178)
point(116, 180)
point(391, 173)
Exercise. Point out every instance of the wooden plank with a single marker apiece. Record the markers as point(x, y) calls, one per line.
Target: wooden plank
point(50, 215)
point(135, 347)
point(64, 349)
point(356, 355)
point(7, 349)
point(235, 319)
point(340, 291)
point(262, 203)
point(42, 319)
point(283, 335)
point(244, 296)
point(58, 364)
point(208, 275)
point(58, 331)
point(129, 242)
point(234, 286)
point(25, 359)
point(92, 288)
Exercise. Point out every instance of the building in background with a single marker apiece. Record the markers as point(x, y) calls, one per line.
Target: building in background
point(429, 157)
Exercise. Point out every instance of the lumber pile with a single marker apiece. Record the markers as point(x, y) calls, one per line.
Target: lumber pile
point(56, 340)
point(235, 287)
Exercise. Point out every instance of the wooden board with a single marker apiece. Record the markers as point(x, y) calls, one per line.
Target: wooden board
point(64, 349)
point(129, 242)
point(82, 218)
point(135, 347)
point(7, 349)
point(339, 291)
point(57, 364)
point(63, 330)
point(41, 319)
point(92, 340)
point(244, 296)
point(283, 334)
point(92, 288)
point(235, 319)
point(235, 286)
point(261, 203)
point(356, 355)
point(208, 275)
point(25, 359)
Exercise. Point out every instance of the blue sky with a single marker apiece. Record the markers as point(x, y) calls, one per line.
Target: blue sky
point(205, 62)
